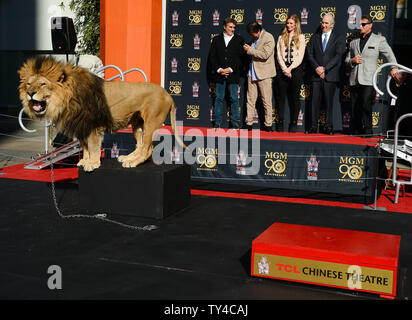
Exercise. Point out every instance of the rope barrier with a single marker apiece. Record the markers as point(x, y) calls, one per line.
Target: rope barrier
point(67, 164)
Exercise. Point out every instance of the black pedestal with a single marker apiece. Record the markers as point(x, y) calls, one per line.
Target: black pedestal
point(149, 190)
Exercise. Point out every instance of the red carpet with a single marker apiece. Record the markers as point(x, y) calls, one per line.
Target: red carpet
point(386, 200)
point(18, 172)
point(296, 136)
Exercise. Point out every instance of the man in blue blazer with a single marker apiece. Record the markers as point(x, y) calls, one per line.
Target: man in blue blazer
point(325, 52)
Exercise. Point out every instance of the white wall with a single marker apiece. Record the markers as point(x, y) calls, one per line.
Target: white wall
point(45, 10)
point(24, 32)
point(25, 24)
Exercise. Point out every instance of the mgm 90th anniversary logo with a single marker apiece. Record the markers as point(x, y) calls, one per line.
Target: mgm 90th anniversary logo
point(192, 112)
point(175, 88)
point(238, 15)
point(304, 91)
point(176, 41)
point(351, 168)
point(280, 15)
point(207, 159)
point(193, 64)
point(206, 152)
point(327, 10)
point(275, 163)
point(377, 13)
point(195, 17)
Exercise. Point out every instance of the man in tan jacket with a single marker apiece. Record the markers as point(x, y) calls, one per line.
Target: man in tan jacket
point(262, 70)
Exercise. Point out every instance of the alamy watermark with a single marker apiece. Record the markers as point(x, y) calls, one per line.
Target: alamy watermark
point(212, 147)
point(55, 280)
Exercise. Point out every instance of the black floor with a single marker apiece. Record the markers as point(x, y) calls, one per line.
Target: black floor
point(202, 252)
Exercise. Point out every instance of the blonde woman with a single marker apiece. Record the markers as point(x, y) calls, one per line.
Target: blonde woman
point(290, 52)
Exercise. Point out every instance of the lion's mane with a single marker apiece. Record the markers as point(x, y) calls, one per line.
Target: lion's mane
point(77, 103)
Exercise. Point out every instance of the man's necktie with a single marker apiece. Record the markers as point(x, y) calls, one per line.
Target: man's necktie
point(325, 42)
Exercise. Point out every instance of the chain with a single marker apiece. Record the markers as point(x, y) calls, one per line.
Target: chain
point(99, 216)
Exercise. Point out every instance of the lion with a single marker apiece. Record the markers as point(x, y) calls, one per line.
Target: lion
point(84, 106)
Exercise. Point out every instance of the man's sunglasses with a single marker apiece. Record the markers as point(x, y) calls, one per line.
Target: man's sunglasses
point(365, 23)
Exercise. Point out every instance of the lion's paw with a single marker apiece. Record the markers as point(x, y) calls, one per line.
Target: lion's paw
point(122, 158)
point(89, 166)
point(132, 163)
point(81, 162)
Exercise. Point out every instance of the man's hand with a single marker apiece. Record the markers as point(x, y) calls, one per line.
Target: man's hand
point(246, 47)
point(319, 70)
point(399, 77)
point(226, 72)
point(357, 59)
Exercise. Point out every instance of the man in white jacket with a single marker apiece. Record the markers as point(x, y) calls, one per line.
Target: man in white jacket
point(363, 60)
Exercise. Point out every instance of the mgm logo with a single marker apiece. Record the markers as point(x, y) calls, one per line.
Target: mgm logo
point(280, 15)
point(350, 36)
point(377, 13)
point(375, 119)
point(326, 10)
point(193, 64)
point(176, 41)
point(378, 64)
point(192, 112)
point(206, 159)
point(275, 163)
point(175, 88)
point(307, 37)
point(351, 168)
point(238, 15)
point(305, 91)
point(345, 93)
point(195, 17)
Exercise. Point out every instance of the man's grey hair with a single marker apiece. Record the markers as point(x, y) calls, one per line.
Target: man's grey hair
point(331, 17)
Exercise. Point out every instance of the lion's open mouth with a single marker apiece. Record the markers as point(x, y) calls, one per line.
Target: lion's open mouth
point(39, 107)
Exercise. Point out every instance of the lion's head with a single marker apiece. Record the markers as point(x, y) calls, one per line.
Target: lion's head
point(41, 82)
point(69, 96)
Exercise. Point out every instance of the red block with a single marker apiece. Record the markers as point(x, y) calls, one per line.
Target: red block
point(355, 260)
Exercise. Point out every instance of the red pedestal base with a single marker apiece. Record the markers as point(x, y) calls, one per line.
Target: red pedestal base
point(354, 260)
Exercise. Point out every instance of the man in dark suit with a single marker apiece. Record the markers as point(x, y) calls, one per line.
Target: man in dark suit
point(325, 51)
point(227, 59)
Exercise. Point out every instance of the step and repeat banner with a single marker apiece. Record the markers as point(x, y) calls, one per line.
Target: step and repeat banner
point(192, 24)
point(319, 167)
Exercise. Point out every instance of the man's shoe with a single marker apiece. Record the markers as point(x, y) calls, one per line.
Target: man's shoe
point(249, 127)
point(312, 130)
point(279, 127)
point(293, 126)
point(329, 131)
point(368, 132)
point(268, 129)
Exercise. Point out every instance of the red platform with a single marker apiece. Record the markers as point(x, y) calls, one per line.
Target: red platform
point(59, 175)
point(354, 260)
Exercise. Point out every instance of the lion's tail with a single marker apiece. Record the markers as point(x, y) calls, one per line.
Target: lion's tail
point(173, 122)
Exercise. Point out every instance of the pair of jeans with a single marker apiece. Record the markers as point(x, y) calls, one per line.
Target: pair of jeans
point(234, 103)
